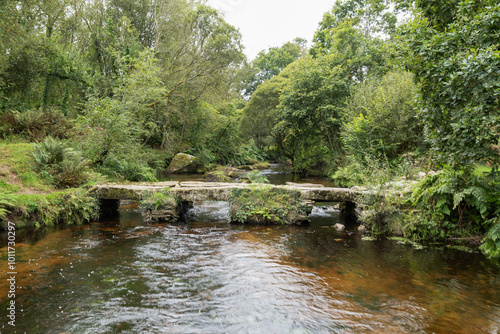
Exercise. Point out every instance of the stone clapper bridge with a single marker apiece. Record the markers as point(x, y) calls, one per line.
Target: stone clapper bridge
point(192, 191)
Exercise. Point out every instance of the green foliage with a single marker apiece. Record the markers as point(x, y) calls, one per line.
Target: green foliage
point(105, 127)
point(213, 132)
point(74, 206)
point(34, 124)
point(250, 152)
point(311, 106)
point(381, 119)
point(65, 166)
point(266, 205)
point(269, 63)
point(454, 203)
point(7, 200)
point(351, 31)
point(122, 169)
point(348, 176)
point(491, 241)
point(380, 206)
point(256, 176)
point(259, 116)
point(456, 61)
point(159, 200)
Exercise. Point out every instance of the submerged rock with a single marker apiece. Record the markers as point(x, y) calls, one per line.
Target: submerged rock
point(184, 163)
point(339, 227)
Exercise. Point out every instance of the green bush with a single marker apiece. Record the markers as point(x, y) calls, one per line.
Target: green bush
point(381, 118)
point(65, 166)
point(380, 207)
point(160, 207)
point(127, 170)
point(455, 203)
point(491, 241)
point(35, 124)
point(348, 176)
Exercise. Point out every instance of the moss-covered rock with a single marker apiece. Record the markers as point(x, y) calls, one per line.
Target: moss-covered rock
point(184, 163)
point(258, 165)
point(222, 174)
point(217, 176)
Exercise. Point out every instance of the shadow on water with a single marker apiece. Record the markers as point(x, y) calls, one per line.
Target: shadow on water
point(205, 276)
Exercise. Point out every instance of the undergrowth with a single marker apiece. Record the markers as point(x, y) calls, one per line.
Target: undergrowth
point(64, 166)
point(454, 204)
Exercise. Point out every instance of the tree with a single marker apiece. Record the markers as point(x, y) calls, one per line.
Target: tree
point(311, 106)
point(357, 31)
point(259, 115)
point(456, 62)
point(380, 119)
point(269, 63)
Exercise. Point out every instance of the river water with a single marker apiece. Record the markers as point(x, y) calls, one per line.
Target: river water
point(206, 276)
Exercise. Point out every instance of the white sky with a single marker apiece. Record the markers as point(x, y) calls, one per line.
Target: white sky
point(268, 23)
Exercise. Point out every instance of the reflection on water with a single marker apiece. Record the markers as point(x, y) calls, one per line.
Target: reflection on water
point(276, 174)
point(124, 276)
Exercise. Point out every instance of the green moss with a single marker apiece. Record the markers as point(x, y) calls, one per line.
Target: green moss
point(266, 205)
point(160, 206)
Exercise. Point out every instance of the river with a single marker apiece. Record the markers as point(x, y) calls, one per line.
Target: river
point(206, 276)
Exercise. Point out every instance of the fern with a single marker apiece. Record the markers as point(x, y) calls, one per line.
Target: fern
point(7, 199)
point(66, 166)
point(491, 242)
point(453, 203)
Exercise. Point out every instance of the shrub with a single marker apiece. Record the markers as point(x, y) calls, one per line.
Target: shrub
point(455, 203)
point(35, 124)
point(127, 170)
point(159, 199)
point(160, 206)
point(381, 117)
point(491, 241)
point(65, 166)
point(380, 206)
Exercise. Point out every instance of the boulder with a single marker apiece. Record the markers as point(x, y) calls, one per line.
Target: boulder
point(184, 163)
point(217, 176)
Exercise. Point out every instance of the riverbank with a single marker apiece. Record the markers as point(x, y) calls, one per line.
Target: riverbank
point(30, 201)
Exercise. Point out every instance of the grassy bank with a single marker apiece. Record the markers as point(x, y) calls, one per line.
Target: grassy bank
point(28, 198)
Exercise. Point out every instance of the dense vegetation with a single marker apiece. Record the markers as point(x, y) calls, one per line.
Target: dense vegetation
point(390, 94)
